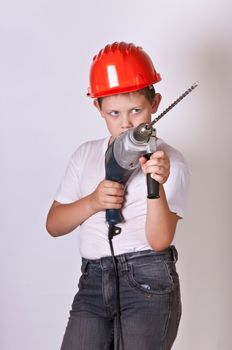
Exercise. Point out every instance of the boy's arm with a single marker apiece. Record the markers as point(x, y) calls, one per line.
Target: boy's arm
point(64, 218)
point(161, 222)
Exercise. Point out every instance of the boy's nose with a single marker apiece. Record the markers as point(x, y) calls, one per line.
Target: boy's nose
point(126, 123)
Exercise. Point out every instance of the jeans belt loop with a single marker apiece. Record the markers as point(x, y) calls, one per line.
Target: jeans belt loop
point(174, 253)
point(85, 263)
point(123, 262)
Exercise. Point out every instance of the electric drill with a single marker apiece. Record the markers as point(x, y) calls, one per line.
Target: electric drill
point(122, 158)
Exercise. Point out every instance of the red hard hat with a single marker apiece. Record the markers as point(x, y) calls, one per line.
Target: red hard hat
point(121, 67)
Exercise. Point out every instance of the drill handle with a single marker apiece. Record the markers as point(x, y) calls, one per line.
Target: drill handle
point(115, 172)
point(152, 185)
point(114, 216)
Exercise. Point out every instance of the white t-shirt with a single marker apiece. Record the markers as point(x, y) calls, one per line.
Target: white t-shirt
point(84, 172)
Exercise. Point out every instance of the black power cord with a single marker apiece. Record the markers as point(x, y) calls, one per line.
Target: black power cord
point(113, 231)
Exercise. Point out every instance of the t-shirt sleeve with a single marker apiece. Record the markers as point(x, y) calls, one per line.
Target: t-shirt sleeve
point(69, 189)
point(177, 187)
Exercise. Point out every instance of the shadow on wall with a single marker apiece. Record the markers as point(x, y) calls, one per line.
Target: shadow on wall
point(210, 150)
point(211, 156)
point(207, 230)
point(211, 62)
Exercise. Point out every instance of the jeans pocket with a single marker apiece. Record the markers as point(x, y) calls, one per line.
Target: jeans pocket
point(176, 306)
point(171, 268)
point(152, 278)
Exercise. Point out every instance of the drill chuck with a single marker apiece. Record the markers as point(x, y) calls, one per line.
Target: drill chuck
point(141, 134)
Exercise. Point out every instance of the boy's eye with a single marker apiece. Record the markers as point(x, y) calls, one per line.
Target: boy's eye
point(136, 110)
point(114, 113)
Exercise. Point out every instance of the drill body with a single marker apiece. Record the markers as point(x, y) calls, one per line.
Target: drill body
point(122, 159)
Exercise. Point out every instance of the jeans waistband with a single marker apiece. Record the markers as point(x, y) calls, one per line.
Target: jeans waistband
point(170, 254)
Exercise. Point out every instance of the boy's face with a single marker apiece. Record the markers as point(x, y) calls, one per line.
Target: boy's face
point(124, 111)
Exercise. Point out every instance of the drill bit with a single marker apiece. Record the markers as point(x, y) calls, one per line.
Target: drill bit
point(174, 103)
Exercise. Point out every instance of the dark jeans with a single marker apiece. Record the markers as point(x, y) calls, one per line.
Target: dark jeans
point(149, 301)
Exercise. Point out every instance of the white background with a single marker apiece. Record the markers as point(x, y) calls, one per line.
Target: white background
point(45, 52)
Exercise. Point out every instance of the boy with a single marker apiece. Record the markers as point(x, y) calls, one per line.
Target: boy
point(121, 83)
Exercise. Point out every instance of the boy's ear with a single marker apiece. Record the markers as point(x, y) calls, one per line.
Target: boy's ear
point(156, 101)
point(96, 104)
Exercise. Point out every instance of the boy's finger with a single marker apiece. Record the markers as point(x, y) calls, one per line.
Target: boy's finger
point(142, 160)
point(113, 184)
point(158, 154)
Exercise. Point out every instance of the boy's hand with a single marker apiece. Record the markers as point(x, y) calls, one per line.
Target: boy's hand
point(108, 195)
point(158, 166)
